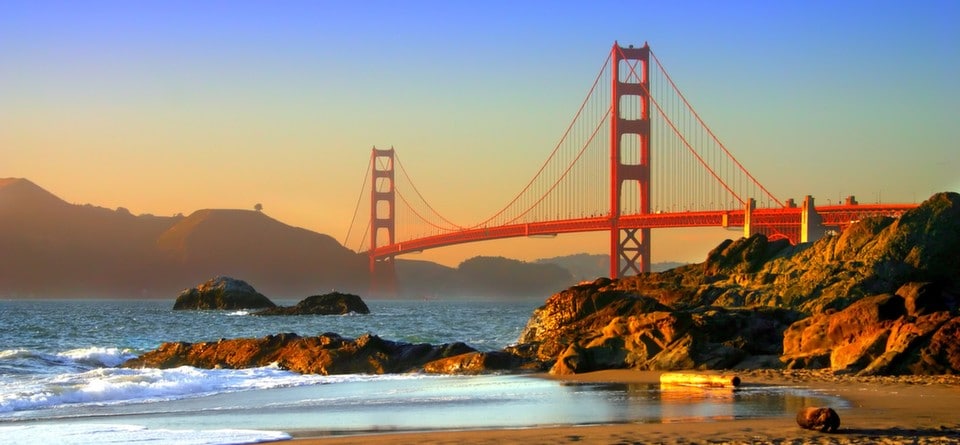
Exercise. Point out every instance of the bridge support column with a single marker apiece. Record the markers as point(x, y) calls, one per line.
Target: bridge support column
point(811, 224)
point(633, 250)
point(383, 221)
point(748, 209)
point(629, 156)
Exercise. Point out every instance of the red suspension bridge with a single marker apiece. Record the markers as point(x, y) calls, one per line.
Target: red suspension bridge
point(635, 157)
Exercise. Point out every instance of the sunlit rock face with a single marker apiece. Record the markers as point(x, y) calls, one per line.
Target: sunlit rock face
point(881, 298)
point(879, 334)
point(597, 326)
point(222, 293)
point(333, 303)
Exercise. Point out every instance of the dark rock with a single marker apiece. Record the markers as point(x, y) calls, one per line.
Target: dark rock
point(924, 298)
point(825, 420)
point(222, 293)
point(334, 303)
point(325, 354)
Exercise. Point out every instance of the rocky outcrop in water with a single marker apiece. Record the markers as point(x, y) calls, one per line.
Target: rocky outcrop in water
point(334, 303)
point(222, 293)
point(324, 354)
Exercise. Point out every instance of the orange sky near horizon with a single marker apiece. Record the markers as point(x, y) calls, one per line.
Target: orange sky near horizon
point(166, 107)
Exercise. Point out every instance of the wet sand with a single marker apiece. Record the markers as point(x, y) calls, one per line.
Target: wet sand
point(882, 410)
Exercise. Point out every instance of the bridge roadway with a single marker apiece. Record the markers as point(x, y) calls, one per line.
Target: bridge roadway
point(782, 220)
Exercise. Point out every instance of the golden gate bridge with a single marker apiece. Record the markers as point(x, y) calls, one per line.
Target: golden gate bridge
point(636, 156)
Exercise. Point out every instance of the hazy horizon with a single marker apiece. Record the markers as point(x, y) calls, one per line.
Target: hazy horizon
point(169, 107)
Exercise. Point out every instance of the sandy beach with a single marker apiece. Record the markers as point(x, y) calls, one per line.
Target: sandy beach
point(885, 410)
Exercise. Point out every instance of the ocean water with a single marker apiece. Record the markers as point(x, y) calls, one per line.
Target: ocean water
point(60, 381)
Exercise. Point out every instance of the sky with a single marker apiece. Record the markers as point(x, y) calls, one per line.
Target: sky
point(169, 107)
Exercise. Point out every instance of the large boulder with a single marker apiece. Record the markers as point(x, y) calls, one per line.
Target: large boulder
point(222, 293)
point(876, 335)
point(595, 326)
point(324, 354)
point(334, 303)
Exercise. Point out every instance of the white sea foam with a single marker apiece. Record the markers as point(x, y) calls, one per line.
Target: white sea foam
point(70, 434)
point(239, 313)
point(99, 357)
point(111, 386)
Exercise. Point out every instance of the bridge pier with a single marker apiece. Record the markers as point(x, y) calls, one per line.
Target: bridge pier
point(748, 209)
point(811, 224)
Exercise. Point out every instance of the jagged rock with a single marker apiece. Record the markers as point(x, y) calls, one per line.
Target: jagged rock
point(325, 354)
point(334, 303)
point(875, 335)
point(825, 420)
point(222, 293)
point(743, 256)
point(594, 326)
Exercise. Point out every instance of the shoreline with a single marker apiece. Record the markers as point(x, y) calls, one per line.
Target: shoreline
point(887, 409)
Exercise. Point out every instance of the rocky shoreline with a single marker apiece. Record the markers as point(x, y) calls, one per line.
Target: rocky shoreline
point(882, 298)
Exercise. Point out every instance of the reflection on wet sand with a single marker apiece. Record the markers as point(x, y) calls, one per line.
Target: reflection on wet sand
point(708, 403)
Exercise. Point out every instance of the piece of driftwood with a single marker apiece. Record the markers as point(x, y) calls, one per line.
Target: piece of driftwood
point(699, 380)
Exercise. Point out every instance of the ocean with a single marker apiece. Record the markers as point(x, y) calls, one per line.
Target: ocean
point(60, 381)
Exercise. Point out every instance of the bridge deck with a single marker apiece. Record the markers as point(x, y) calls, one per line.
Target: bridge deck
point(782, 219)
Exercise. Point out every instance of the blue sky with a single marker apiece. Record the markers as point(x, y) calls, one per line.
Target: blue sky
point(168, 107)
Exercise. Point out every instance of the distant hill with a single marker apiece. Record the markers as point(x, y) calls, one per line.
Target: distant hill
point(585, 266)
point(53, 249)
point(50, 248)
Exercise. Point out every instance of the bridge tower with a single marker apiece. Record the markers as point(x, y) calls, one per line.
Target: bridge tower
point(629, 155)
point(383, 221)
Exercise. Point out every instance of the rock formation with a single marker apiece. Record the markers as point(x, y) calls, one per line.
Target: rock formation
point(879, 334)
point(222, 293)
point(324, 354)
point(597, 325)
point(334, 303)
